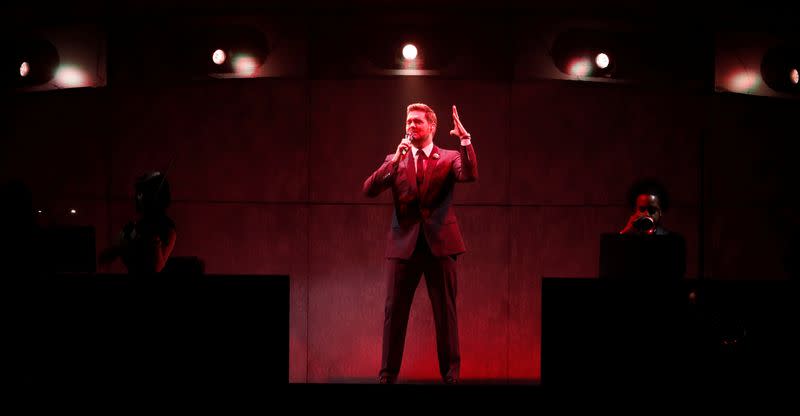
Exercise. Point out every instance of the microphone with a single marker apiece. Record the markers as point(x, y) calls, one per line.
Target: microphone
point(406, 139)
point(644, 224)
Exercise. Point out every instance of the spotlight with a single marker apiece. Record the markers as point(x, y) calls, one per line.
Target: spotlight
point(409, 52)
point(779, 69)
point(406, 51)
point(583, 53)
point(626, 55)
point(234, 49)
point(218, 57)
point(31, 62)
point(602, 60)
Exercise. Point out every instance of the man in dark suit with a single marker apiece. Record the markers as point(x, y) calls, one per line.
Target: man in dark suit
point(424, 237)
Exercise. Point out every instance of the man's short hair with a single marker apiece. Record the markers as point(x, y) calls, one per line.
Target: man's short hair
point(429, 113)
point(155, 187)
point(648, 186)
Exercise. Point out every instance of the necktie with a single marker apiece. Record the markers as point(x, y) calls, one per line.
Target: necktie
point(420, 166)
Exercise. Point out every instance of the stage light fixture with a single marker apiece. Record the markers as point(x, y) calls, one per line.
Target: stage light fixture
point(236, 50)
point(218, 57)
point(584, 53)
point(779, 69)
point(410, 51)
point(30, 62)
point(602, 60)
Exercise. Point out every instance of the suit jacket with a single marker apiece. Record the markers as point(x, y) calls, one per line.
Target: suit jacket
point(428, 207)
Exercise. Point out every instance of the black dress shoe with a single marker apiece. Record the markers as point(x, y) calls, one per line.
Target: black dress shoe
point(450, 380)
point(385, 380)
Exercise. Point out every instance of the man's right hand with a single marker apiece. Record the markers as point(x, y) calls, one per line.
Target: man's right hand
point(631, 226)
point(405, 144)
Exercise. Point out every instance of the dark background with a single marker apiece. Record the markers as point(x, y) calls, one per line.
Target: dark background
point(268, 171)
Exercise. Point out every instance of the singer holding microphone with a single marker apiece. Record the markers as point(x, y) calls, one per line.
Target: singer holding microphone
point(424, 237)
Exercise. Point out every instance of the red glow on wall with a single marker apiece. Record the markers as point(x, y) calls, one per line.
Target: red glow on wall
point(245, 65)
point(70, 76)
point(579, 67)
point(743, 81)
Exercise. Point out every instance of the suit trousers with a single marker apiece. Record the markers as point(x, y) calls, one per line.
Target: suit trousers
point(440, 279)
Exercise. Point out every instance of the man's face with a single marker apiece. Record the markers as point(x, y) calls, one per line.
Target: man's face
point(649, 205)
point(418, 126)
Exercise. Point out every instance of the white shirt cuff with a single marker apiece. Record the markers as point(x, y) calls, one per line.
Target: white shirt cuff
point(466, 142)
